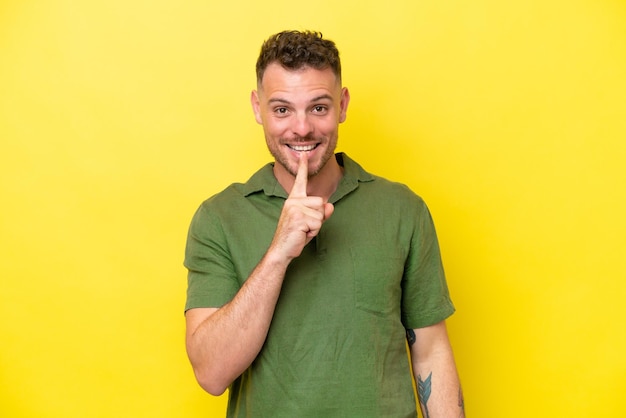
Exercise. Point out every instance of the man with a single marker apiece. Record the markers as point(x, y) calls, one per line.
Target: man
point(305, 282)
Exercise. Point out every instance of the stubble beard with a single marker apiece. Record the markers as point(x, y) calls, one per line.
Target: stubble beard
point(293, 170)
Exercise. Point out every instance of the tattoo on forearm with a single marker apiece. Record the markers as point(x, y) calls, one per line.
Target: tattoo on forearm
point(423, 392)
point(410, 336)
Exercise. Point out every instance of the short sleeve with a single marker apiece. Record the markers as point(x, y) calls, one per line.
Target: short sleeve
point(425, 296)
point(212, 281)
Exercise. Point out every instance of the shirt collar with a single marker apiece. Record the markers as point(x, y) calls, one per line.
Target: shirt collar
point(265, 181)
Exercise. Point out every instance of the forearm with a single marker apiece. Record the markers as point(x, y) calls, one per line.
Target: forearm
point(439, 389)
point(222, 345)
point(438, 386)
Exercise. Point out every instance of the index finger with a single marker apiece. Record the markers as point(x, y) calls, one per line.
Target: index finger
point(300, 183)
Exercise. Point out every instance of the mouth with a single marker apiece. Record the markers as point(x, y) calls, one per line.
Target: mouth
point(302, 148)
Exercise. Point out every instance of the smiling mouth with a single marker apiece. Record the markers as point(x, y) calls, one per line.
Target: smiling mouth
point(303, 148)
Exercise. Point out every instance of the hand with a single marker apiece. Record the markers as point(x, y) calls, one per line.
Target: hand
point(302, 215)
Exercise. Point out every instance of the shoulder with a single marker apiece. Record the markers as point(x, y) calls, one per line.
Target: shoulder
point(394, 193)
point(262, 180)
point(222, 203)
point(377, 185)
point(400, 189)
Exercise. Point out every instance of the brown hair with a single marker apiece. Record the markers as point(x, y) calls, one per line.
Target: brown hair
point(295, 50)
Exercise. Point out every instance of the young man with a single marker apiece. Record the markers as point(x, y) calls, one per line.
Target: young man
point(305, 282)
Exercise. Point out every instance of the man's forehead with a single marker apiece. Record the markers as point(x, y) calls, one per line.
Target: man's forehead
point(276, 75)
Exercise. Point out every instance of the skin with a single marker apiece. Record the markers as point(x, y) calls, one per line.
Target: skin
point(299, 110)
point(302, 108)
point(434, 366)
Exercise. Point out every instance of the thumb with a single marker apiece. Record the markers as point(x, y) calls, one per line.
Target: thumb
point(329, 208)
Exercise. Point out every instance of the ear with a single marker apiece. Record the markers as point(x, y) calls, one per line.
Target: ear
point(343, 104)
point(256, 106)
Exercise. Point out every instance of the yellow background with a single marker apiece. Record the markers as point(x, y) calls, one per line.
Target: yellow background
point(117, 118)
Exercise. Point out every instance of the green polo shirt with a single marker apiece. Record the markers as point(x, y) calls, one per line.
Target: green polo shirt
point(336, 346)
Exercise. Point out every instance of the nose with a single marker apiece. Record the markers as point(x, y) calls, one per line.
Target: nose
point(302, 125)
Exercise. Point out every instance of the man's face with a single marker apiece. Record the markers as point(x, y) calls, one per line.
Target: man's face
point(300, 112)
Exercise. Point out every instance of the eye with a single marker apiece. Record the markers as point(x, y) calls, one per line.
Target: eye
point(319, 109)
point(281, 111)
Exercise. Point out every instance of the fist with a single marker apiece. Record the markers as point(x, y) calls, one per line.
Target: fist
point(302, 216)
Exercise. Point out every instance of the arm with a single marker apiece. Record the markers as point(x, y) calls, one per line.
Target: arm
point(439, 389)
point(222, 342)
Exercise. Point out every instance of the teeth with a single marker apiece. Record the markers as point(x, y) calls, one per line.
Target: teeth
point(302, 148)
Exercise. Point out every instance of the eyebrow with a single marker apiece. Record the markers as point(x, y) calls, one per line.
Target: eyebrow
point(322, 97)
point(277, 100)
point(315, 99)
